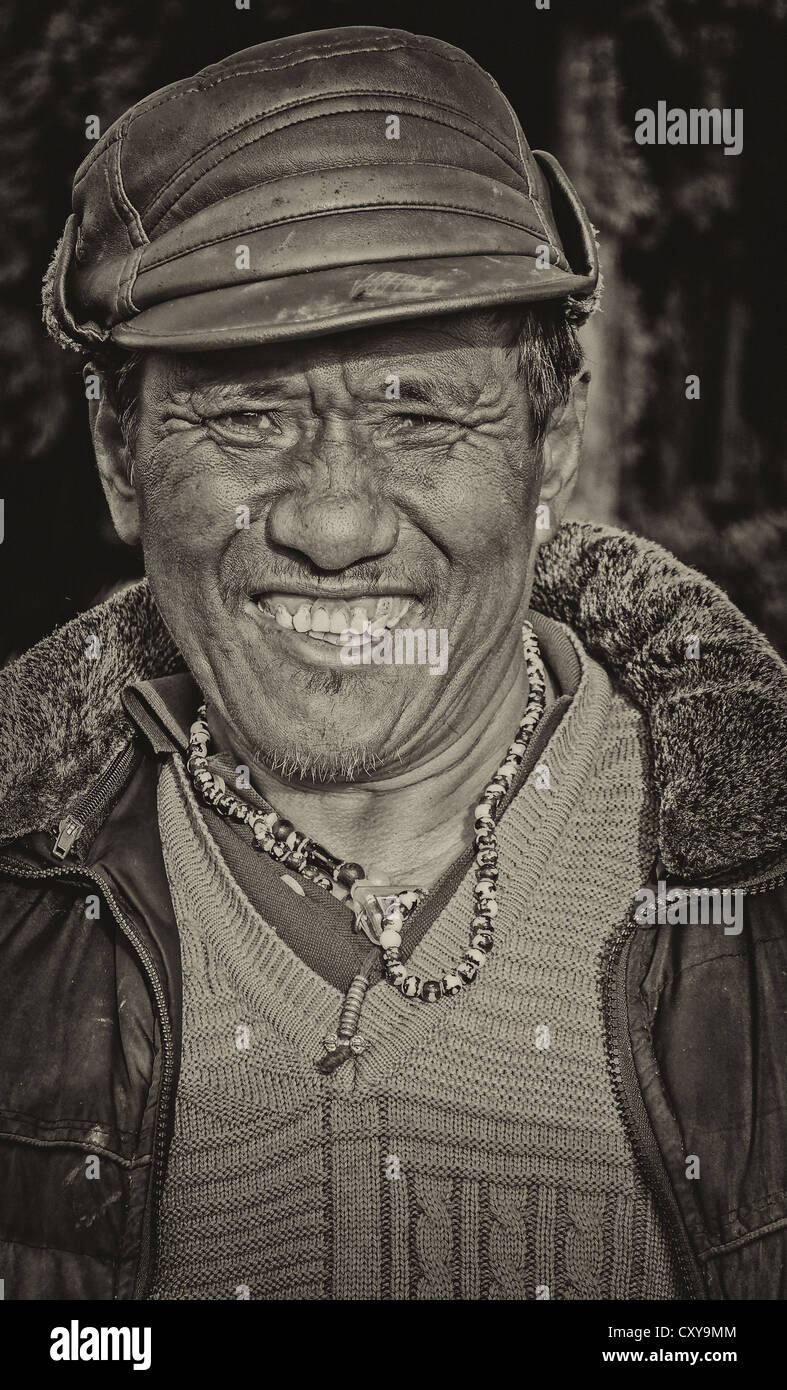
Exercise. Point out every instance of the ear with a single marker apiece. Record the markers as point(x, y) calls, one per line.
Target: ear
point(115, 466)
point(562, 450)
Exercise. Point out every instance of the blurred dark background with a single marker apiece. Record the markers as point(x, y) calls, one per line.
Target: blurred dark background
point(692, 246)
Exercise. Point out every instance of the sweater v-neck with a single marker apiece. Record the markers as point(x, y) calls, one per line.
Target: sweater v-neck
point(316, 926)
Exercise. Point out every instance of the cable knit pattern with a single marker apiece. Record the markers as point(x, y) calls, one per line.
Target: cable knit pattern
point(474, 1151)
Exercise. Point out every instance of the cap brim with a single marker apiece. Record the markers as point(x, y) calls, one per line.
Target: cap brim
point(316, 302)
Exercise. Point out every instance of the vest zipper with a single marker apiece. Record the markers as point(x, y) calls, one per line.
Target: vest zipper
point(148, 1257)
point(98, 799)
point(631, 1108)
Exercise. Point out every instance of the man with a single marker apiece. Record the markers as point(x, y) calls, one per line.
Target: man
point(330, 968)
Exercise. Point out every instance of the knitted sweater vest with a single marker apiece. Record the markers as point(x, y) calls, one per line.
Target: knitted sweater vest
point(474, 1150)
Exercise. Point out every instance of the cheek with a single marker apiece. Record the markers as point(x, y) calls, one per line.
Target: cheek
point(192, 505)
point(486, 500)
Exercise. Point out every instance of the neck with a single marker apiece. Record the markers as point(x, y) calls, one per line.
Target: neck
point(407, 828)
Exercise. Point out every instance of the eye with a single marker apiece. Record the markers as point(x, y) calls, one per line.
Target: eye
point(244, 426)
point(415, 422)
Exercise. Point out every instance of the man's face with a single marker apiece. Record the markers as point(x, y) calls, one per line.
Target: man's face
point(286, 487)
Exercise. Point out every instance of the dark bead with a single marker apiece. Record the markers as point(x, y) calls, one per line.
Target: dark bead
point(483, 941)
point(321, 859)
point(467, 971)
point(431, 991)
point(282, 829)
point(348, 874)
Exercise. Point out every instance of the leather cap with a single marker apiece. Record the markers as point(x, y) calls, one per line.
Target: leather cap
point(273, 196)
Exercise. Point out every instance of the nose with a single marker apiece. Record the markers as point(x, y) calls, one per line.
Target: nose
point(334, 529)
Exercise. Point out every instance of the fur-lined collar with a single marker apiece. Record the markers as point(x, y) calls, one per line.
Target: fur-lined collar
point(717, 712)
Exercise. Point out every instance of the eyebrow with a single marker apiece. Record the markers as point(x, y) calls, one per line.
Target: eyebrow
point(228, 389)
point(412, 389)
point(429, 393)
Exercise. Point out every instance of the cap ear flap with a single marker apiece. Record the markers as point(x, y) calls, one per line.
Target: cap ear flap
point(577, 233)
point(59, 321)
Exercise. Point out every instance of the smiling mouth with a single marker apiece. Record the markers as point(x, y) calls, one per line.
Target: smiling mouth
point(331, 620)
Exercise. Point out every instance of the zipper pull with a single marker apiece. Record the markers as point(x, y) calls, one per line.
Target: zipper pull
point(68, 832)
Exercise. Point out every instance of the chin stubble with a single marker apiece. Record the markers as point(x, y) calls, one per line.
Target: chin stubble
point(305, 765)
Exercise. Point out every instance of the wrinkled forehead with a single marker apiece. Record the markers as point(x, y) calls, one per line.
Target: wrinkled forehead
point(451, 355)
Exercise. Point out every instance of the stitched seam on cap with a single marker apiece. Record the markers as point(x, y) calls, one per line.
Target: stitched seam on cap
point(336, 53)
point(345, 110)
point(350, 207)
point(115, 202)
point(534, 200)
point(126, 202)
point(249, 72)
point(253, 140)
point(125, 289)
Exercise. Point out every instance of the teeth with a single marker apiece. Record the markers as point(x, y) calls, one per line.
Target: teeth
point(323, 619)
point(358, 619)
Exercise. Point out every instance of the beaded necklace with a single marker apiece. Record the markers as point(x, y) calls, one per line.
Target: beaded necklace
point(381, 910)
